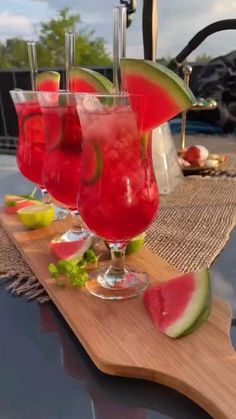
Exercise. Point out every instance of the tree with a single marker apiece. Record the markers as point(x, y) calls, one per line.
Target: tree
point(90, 50)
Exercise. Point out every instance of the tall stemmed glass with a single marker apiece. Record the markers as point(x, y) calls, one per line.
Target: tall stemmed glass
point(62, 160)
point(118, 195)
point(31, 141)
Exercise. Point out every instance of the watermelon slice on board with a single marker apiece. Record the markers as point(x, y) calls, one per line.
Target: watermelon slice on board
point(180, 305)
point(12, 203)
point(89, 81)
point(69, 250)
point(164, 94)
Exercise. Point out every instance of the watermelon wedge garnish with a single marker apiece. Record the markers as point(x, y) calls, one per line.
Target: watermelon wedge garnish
point(68, 250)
point(180, 305)
point(164, 94)
point(89, 81)
point(48, 81)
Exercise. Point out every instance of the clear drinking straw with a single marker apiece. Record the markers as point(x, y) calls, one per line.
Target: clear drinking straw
point(69, 55)
point(119, 42)
point(31, 47)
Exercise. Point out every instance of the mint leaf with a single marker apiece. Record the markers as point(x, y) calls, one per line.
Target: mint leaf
point(53, 270)
point(75, 269)
point(91, 257)
point(80, 278)
point(10, 203)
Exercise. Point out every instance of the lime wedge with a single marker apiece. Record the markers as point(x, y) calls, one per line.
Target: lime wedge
point(135, 244)
point(37, 216)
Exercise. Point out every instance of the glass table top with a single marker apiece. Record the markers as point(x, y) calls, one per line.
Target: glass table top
point(45, 372)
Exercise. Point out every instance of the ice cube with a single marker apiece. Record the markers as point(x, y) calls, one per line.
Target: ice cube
point(92, 104)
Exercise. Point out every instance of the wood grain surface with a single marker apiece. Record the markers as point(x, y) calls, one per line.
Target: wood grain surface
point(121, 339)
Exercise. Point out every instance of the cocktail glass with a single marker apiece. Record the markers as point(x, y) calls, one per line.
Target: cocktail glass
point(62, 161)
point(31, 142)
point(118, 195)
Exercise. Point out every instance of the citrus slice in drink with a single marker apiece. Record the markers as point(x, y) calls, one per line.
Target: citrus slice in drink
point(164, 94)
point(33, 128)
point(37, 216)
point(89, 81)
point(48, 81)
point(57, 131)
point(93, 163)
point(181, 305)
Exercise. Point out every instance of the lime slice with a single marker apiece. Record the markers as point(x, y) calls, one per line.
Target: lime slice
point(93, 163)
point(135, 244)
point(37, 216)
point(33, 127)
point(57, 131)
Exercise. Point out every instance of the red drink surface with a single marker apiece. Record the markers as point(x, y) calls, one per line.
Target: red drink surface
point(61, 170)
point(118, 196)
point(31, 142)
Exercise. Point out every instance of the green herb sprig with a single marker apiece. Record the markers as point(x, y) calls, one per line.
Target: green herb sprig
point(76, 269)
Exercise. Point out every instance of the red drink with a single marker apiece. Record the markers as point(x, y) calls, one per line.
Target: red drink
point(61, 171)
point(31, 143)
point(118, 196)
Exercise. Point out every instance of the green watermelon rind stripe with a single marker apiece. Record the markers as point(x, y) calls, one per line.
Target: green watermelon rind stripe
point(162, 76)
point(53, 76)
point(196, 307)
point(203, 316)
point(100, 82)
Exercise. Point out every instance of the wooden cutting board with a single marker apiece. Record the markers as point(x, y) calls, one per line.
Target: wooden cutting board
point(121, 339)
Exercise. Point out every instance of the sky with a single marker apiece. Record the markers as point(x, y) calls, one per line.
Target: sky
point(179, 21)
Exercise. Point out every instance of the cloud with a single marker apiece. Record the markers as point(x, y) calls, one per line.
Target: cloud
point(178, 22)
point(15, 25)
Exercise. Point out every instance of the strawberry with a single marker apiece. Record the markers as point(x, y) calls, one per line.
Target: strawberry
point(196, 154)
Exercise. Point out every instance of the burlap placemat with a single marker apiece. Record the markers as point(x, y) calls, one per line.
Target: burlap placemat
point(194, 222)
point(191, 228)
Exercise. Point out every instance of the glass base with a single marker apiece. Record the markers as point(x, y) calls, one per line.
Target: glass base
point(61, 213)
point(75, 235)
point(106, 287)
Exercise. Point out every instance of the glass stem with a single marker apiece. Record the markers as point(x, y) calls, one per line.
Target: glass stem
point(117, 268)
point(77, 223)
point(45, 196)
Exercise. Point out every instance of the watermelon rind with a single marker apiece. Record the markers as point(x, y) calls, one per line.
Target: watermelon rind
point(198, 308)
point(46, 77)
point(162, 90)
point(161, 75)
point(99, 82)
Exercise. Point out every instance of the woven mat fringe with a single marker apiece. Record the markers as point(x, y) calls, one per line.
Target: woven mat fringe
point(20, 281)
